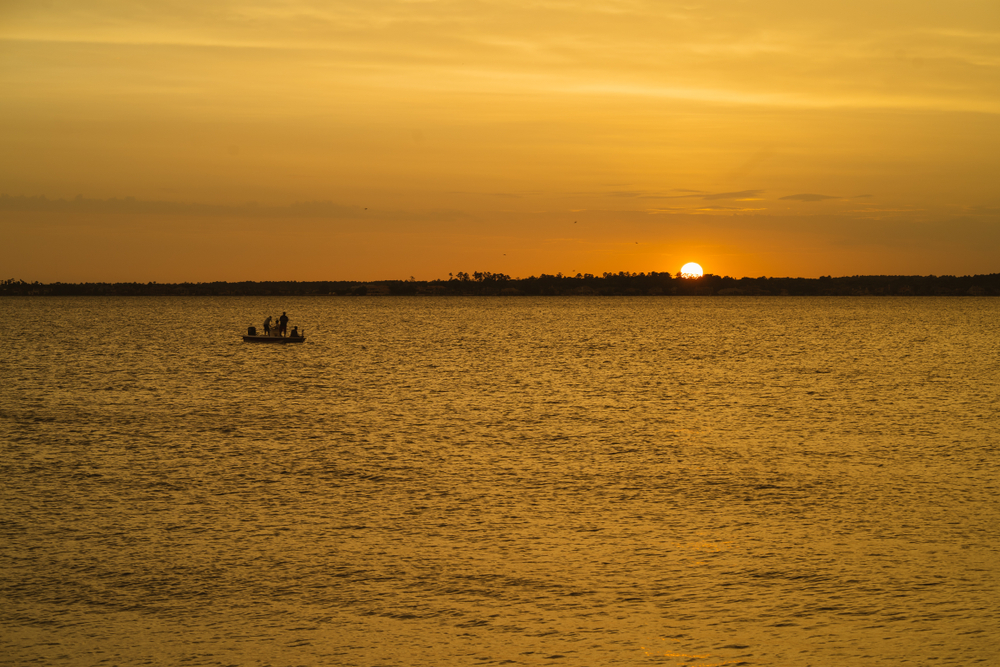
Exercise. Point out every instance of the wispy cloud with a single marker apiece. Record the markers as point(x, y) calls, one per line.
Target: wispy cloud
point(742, 195)
point(722, 53)
point(745, 195)
point(727, 209)
point(808, 197)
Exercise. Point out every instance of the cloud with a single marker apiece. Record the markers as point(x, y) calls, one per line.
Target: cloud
point(502, 195)
point(645, 194)
point(695, 194)
point(726, 209)
point(984, 210)
point(742, 194)
point(667, 211)
point(939, 57)
point(808, 197)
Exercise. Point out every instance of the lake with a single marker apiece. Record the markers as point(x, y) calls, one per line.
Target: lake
point(523, 481)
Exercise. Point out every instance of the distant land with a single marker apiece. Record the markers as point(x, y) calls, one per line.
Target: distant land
point(498, 284)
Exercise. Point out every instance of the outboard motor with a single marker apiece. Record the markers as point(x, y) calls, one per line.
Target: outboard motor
point(251, 331)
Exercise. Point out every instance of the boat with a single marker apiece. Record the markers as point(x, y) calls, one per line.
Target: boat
point(274, 339)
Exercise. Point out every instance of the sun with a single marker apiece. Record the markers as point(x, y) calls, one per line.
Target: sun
point(691, 270)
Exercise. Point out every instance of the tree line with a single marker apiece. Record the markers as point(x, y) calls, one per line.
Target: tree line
point(485, 283)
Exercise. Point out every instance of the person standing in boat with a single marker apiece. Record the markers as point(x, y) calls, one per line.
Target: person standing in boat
point(282, 323)
point(267, 326)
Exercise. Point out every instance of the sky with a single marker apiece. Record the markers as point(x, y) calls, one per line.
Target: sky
point(181, 140)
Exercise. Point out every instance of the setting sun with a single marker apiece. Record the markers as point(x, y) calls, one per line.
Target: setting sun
point(691, 270)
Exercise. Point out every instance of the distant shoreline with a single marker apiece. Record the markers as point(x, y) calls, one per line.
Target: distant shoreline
point(490, 284)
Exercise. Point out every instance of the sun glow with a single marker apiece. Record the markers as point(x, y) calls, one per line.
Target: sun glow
point(691, 270)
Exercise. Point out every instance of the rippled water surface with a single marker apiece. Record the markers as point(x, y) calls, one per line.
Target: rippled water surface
point(621, 481)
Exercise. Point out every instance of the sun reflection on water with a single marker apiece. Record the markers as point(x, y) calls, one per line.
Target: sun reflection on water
point(669, 652)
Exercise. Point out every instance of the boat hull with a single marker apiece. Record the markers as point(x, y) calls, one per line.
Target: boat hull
point(274, 340)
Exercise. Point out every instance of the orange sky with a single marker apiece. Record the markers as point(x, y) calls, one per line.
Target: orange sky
point(307, 140)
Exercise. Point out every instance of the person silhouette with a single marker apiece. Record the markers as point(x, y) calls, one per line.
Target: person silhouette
point(267, 326)
point(282, 323)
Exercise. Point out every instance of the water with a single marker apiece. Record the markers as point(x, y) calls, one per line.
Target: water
point(621, 481)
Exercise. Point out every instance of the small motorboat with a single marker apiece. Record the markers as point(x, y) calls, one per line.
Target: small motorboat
point(274, 337)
